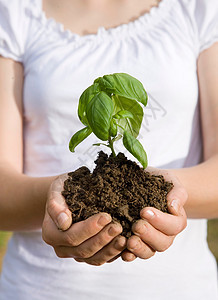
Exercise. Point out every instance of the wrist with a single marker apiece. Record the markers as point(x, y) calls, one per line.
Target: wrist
point(39, 188)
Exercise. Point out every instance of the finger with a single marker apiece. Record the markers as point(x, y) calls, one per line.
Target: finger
point(128, 256)
point(97, 242)
point(157, 240)
point(178, 191)
point(178, 196)
point(114, 258)
point(77, 233)
point(93, 245)
point(56, 205)
point(138, 248)
point(108, 252)
point(175, 208)
point(164, 222)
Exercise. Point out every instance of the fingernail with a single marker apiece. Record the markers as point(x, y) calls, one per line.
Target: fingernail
point(114, 229)
point(175, 205)
point(120, 243)
point(148, 214)
point(140, 229)
point(129, 257)
point(62, 219)
point(134, 246)
point(104, 220)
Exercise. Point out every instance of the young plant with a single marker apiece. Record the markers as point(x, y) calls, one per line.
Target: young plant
point(111, 109)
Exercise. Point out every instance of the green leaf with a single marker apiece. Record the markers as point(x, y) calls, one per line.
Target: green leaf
point(111, 108)
point(99, 114)
point(113, 128)
point(84, 99)
point(78, 137)
point(133, 124)
point(135, 148)
point(124, 85)
point(123, 114)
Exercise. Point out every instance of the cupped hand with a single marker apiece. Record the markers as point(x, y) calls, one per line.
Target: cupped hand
point(156, 231)
point(95, 241)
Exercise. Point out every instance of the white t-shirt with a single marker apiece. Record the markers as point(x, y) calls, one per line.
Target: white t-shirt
point(160, 49)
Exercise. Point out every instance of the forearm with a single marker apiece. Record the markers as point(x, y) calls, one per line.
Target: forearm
point(201, 183)
point(22, 199)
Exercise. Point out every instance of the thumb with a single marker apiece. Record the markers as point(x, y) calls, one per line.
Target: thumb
point(57, 207)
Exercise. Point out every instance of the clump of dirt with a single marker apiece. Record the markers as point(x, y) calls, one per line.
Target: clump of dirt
point(117, 186)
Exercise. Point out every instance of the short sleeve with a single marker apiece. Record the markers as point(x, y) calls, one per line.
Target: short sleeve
point(12, 29)
point(206, 17)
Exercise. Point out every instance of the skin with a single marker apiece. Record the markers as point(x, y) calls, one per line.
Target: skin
point(39, 203)
point(85, 17)
point(89, 242)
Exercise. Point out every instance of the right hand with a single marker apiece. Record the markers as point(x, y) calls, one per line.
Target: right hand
point(94, 241)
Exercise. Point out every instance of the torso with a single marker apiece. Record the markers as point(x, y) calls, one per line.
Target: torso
point(160, 50)
point(86, 16)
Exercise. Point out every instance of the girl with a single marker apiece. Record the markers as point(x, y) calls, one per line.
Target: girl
point(50, 52)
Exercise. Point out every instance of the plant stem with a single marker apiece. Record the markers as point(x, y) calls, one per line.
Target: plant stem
point(111, 146)
point(121, 127)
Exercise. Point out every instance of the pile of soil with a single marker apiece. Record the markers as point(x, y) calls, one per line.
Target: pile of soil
point(117, 186)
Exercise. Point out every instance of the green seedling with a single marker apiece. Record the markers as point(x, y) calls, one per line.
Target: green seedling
point(111, 108)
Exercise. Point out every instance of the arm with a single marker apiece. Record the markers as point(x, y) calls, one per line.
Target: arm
point(156, 232)
point(22, 198)
point(201, 181)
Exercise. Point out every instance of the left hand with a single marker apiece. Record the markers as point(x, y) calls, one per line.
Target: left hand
point(156, 231)
point(94, 241)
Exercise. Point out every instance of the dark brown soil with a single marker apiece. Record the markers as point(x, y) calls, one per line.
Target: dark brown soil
point(117, 186)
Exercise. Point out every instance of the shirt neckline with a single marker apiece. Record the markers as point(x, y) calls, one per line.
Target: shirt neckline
point(144, 22)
